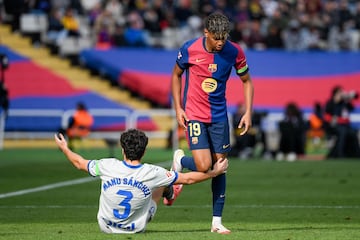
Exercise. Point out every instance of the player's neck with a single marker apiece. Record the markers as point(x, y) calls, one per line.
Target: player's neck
point(132, 162)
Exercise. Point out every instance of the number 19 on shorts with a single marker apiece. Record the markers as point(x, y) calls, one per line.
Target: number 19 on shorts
point(194, 129)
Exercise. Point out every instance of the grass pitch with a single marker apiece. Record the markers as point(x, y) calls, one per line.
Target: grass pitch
point(265, 200)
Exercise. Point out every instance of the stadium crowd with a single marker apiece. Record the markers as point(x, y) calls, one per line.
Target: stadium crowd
point(294, 25)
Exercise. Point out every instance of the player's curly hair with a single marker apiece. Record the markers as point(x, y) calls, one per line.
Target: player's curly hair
point(134, 143)
point(217, 24)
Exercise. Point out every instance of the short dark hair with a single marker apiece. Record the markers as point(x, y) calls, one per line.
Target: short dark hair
point(217, 24)
point(134, 143)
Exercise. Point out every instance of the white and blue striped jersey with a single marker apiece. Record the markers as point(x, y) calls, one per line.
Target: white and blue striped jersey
point(126, 193)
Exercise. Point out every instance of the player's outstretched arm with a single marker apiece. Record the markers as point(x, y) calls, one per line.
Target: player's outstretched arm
point(78, 161)
point(219, 167)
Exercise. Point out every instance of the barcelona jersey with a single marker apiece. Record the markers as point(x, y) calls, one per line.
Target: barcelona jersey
point(206, 75)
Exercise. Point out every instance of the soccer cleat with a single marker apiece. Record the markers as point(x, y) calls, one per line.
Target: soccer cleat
point(177, 190)
point(176, 165)
point(220, 229)
point(168, 192)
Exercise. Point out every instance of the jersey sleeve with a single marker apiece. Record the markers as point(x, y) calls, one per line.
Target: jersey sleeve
point(164, 177)
point(241, 65)
point(100, 167)
point(182, 59)
point(93, 168)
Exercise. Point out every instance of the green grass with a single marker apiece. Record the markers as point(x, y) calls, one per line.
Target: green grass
point(265, 200)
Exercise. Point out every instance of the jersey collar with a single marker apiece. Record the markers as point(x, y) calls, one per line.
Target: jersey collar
point(131, 166)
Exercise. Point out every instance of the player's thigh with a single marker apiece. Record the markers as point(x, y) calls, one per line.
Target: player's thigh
point(197, 135)
point(219, 137)
point(213, 136)
point(199, 144)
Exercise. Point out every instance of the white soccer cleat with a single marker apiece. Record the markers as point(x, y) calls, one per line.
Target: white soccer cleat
point(176, 165)
point(219, 228)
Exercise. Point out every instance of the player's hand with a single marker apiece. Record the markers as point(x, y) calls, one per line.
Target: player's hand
point(60, 141)
point(181, 118)
point(221, 166)
point(245, 123)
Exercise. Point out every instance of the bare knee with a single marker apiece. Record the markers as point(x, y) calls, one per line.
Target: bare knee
point(203, 166)
point(203, 159)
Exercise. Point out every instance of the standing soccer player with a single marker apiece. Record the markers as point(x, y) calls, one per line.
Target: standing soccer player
point(130, 190)
point(202, 112)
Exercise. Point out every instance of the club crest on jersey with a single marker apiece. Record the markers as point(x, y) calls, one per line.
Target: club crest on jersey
point(209, 85)
point(212, 67)
point(194, 140)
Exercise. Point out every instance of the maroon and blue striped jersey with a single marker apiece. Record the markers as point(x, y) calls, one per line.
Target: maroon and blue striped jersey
point(206, 75)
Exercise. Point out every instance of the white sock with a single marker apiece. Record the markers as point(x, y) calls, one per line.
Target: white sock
point(216, 220)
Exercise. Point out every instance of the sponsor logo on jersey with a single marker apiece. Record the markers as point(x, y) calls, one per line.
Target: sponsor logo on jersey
point(199, 60)
point(209, 85)
point(212, 67)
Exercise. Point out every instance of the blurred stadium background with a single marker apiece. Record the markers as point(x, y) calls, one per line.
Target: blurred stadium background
point(129, 86)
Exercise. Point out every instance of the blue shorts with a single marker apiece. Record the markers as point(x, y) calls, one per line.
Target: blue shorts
point(213, 136)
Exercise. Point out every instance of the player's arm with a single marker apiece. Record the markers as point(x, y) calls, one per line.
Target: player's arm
point(176, 94)
point(78, 161)
point(219, 167)
point(245, 121)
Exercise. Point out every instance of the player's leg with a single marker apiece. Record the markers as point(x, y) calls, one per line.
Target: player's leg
point(218, 190)
point(220, 140)
point(198, 141)
point(172, 192)
point(200, 154)
point(203, 140)
point(197, 134)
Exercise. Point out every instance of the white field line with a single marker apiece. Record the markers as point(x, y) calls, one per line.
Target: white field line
point(48, 187)
point(191, 206)
point(58, 185)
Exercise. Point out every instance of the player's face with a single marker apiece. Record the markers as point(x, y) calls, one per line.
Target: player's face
point(214, 43)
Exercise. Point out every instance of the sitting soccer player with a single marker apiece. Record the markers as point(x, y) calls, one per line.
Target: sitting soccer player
point(130, 189)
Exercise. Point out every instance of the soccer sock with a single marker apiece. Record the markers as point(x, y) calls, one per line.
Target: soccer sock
point(189, 163)
point(216, 221)
point(218, 190)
